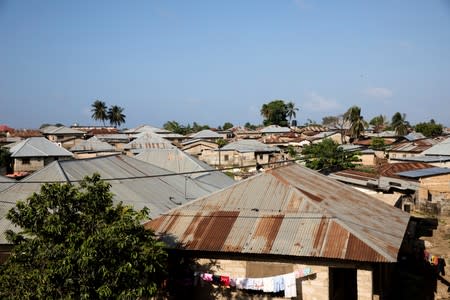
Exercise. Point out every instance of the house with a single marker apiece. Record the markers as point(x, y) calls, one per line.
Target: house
point(180, 162)
point(118, 140)
point(275, 130)
point(408, 149)
point(145, 141)
point(197, 146)
point(319, 137)
point(164, 133)
point(133, 182)
point(92, 147)
point(34, 153)
point(241, 154)
point(338, 242)
point(206, 134)
point(442, 149)
point(64, 136)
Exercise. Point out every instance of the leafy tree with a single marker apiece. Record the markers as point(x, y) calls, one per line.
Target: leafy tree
point(429, 129)
point(250, 126)
point(227, 125)
point(379, 122)
point(99, 111)
point(399, 124)
point(377, 143)
point(291, 110)
point(116, 116)
point(330, 121)
point(76, 244)
point(173, 126)
point(328, 156)
point(197, 127)
point(274, 113)
point(221, 142)
point(353, 115)
point(6, 160)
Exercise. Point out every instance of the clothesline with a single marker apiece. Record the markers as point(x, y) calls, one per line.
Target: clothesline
point(272, 284)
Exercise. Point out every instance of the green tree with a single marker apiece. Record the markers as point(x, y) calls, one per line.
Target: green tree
point(250, 126)
point(429, 129)
point(399, 124)
point(75, 244)
point(377, 143)
point(291, 110)
point(175, 127)
point(116, 116)
point(379, 122)
point(6, 160)
point(274, 113)
point(330, 121)
point(328, 156)
point(227, 125)
point(99, 111)
point(353, 115)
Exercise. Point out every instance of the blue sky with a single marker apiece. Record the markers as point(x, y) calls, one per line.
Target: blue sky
point(212, 62)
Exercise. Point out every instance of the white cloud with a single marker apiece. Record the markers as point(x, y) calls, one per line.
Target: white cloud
point(378, 92)
point(316, 102)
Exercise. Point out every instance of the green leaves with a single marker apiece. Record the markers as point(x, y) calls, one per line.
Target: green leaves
point(76, 244)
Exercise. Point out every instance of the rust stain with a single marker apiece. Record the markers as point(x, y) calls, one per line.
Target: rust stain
point(268, 228)
point(294, 203)
point(192, 226)
point(216, 229)
point(320, 235)
point(336, 241)
point(311, 196)
point(172, 222)
point(358, 250)
point(154, 224)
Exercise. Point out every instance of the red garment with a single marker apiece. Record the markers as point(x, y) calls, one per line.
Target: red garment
point(225, 280)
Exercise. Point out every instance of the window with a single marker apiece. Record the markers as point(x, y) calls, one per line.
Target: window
point(226, 157)
point(25, 161)
point(261, 156)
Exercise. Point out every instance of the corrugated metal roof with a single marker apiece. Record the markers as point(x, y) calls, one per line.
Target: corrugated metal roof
point(92, 145)
point(178, 161)
point(149, 141)
point(414, 146)
point(443, 148)
point(61, 130)
point(159, 194)
point(424, 159)
point(38, 147)
point(289, 211)
point(250, 146)
point(275, 129)
point(391, 170)
point(205, 134)
point(425, 172)
point(5, 182)
point(146, 128)
point(412, 136)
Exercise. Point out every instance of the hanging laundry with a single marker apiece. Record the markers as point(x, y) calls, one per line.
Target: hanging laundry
point(278, 283)
point(225, 280)
point(268, 285)
point(290, 286)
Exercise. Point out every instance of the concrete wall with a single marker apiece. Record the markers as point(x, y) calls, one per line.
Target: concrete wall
point(434, 194)
point(33, 165)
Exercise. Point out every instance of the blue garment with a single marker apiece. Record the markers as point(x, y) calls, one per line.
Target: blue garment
point(278, 284)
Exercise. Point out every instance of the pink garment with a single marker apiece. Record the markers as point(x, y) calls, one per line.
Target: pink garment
point(207, 277)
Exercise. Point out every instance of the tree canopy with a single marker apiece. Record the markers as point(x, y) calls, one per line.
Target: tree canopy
point(353, 115)
point(99, 111)
point(328, 156)
point(276, 112)
point(116, 116)
point(75, 243)
point(399, 124)
point(429, 129)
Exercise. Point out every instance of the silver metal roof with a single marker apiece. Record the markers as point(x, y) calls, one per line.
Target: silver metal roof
point(250, 146)
point(425, 159)
point(178, 161)
point(288, 211)
point(146, 128)
point(443, 148)
point(61, 130)
point(425, 172)
point(92, 145)
point(149, 140)
point(205, 134)
point(159, 194)
point(38, 147)
point(5, 182)
point(275, 129)
point(412, 136)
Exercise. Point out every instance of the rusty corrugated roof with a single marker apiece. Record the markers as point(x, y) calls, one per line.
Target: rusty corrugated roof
point(288, 211)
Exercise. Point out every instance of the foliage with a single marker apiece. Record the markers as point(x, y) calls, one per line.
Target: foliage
point(328, 156)
point(175, 127)
point(379, 122)
point(227, 125)
point(353, 115)
point(6, 160)
point(76, 244)
point(330, 121)
point(377, 143)
point(99, 111)
point(116, 116)
point(221, 142)
point(249, 126)
point(276, 112)
point(399, 124)
point(429, 129)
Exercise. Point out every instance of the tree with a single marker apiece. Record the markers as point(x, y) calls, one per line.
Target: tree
point(429, 129)
point(328, 156)
point(377, 143)
point(353, 115)
point(291, 110)
point(399, 124)
point(76, 244)
point(250, 126)
point(173, 126)
point(5, 160)
point(115, 115)
point(227, 125)
point(99, 111)
point(274, 113)
point(330, 121)
point(379, 122)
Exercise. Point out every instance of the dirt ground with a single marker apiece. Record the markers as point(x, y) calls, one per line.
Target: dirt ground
point(439, 244)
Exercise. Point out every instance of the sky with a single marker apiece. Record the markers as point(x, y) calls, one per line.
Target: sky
point(213, 62)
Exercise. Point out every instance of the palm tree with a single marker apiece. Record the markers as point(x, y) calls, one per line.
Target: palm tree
point(353, 115)
point(291, 110)
point(99, 111)
point(379, 122)
point(399, 124)
point(115, 115)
